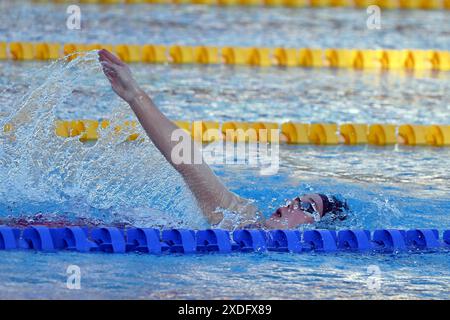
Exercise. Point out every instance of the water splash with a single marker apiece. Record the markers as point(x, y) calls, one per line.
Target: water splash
point(110, 179)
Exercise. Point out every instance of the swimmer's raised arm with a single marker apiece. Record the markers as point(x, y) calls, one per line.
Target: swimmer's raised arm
point(208, 190)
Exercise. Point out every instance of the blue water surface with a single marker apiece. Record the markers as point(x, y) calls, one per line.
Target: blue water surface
point(111, 180)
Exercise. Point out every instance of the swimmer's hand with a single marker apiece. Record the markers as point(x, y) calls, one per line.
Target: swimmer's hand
point(119, 75)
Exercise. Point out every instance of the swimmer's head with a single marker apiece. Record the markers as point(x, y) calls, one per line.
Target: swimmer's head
point(308, 208)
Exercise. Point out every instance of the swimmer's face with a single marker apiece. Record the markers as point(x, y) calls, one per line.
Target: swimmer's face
point(294, 214)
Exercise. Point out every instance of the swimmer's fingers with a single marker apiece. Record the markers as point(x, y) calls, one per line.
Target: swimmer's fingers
point(108, 69)
point(108, 56)
point(110, 73)
point(112, 80)
point(106, 62)
point(107, 66)
point(110, 77)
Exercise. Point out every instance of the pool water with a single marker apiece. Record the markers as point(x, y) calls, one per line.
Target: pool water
point(238, 26)
point(112, 180)
point(236, 276)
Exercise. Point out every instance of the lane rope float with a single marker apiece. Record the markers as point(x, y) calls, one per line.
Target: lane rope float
point(185, 241)
point(384, 4)
point(288, 132)
point(383, 59)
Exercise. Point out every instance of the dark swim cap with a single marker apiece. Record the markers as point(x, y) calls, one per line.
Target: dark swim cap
point(332, 205)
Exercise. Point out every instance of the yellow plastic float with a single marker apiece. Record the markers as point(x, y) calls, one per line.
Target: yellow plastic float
point(323, 133)
point(441, 60)
point(273, 3)
point(413, 135)
point(89, 132)
point(354, 133)
point(235, 55)
point(430, 4)
point(260, 57)
point(295, 3)
point(206, 55)
point(264, 131)
point(226, 2)
point(320, 3)
point(363, 3)
point(22, 50)
point(419, 60)
point(410, 4)
point(209, 2)
point(367, 59)
point(382, 134)
point(447, 4)
point(341, 3)
point(181, 54)
point(73, 49)
point(47, 51)
point(311, 57)
point(185, 125)
point(154, 53)
point(206, 131)
point(286, 57)
point(393, 59)
point(7, 127)
point(438, 135)
point(239, 131)
point(244, 56)
point(386, 4)
point(68, 129)
point(129, 53)
point(3, 50)
point(128, 126)
point(249, 2)
point(340, 58)
point(296, 133)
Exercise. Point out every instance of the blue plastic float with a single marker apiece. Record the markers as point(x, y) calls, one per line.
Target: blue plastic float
point(184, 241)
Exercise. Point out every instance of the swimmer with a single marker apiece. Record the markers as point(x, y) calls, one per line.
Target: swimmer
point(213, 198)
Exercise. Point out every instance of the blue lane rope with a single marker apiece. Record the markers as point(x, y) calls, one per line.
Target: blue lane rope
point(153, 241)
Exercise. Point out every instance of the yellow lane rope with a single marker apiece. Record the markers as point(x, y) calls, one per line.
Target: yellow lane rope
point(386, 59)
point(289, 132)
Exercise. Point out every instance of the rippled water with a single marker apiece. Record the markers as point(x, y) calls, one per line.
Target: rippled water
point(245, 26)
point(65, 175)
point(256, 94)
point(112, 180)
point(236, 276)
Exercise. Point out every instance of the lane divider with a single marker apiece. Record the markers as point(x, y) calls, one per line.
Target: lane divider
point(289, 132)
point(384, 59)
point(385, 4)
point(185, 241)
